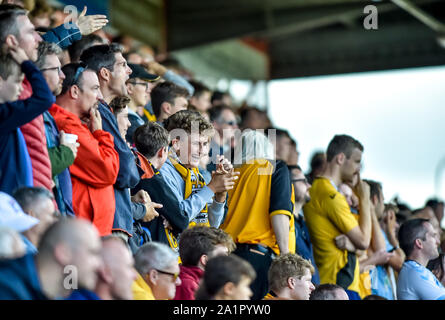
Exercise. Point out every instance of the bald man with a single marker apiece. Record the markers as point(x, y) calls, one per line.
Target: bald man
point(68, 258)
point(117, 273)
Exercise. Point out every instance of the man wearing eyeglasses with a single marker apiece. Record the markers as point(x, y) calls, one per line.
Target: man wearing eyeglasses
point(61, 152)
point(139, 86)
point(303, 245)
point(157, 265)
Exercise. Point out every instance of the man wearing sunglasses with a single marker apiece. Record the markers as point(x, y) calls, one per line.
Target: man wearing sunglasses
point(96, 166)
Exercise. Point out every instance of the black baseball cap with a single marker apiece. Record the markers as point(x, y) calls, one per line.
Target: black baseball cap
point(140, 72)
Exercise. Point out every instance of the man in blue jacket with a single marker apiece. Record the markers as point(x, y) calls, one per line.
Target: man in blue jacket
point(113, 72)
point(15, 164)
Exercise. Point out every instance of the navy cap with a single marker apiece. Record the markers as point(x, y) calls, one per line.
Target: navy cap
point(140, 72)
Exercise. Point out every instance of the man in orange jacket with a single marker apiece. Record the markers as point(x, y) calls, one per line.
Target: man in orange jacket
point(96, 166)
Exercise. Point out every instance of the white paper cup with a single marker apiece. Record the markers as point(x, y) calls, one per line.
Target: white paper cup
point(71, 138)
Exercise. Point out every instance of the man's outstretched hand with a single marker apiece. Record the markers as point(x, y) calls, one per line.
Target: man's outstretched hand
point(90, 24)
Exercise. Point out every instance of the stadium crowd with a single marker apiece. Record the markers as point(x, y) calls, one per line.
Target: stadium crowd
point(122, 177)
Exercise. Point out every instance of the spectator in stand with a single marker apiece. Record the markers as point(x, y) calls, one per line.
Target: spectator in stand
point(382, 278)
point(15, 222)
point(196, 246)
point(205, 159)
point(120, 111)
point(353, 201)
point(95, 169)
point(69, 245)
point(290, 278)
point(390, 227)
point(328, 215)
point(226, 278)
point(372, 261)
point(282, 143)
point(139, 87)
point(113, 72)
point(169, 75)
point(259, 208)
point(438, 208)
point(437, 267)
point(151, 141)
point(403, 213)
point(76, 49)
point(303, 245)
point(119, 106)
point(427, 213)
point(329, 291)
point(158, 270)
point(162, 71)
point(318, 166)
point(40, 14)
point(224, 122)
point(219, 97)
point(118, 273)
point(201, 96)
point(116, 276)
point(253, 118)
point(61, 152)
point(294, 154)
point(37, 202)
point(203, 204)
point(19, 30)
point(15, 162)
point(167, 98)
point(419, 241)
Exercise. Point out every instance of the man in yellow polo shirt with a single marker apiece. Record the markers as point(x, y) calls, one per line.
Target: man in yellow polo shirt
point(328, 216)
point(259, 214)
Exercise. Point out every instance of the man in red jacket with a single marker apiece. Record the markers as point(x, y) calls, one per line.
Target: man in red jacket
point(196, 246)
point(96, 166)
